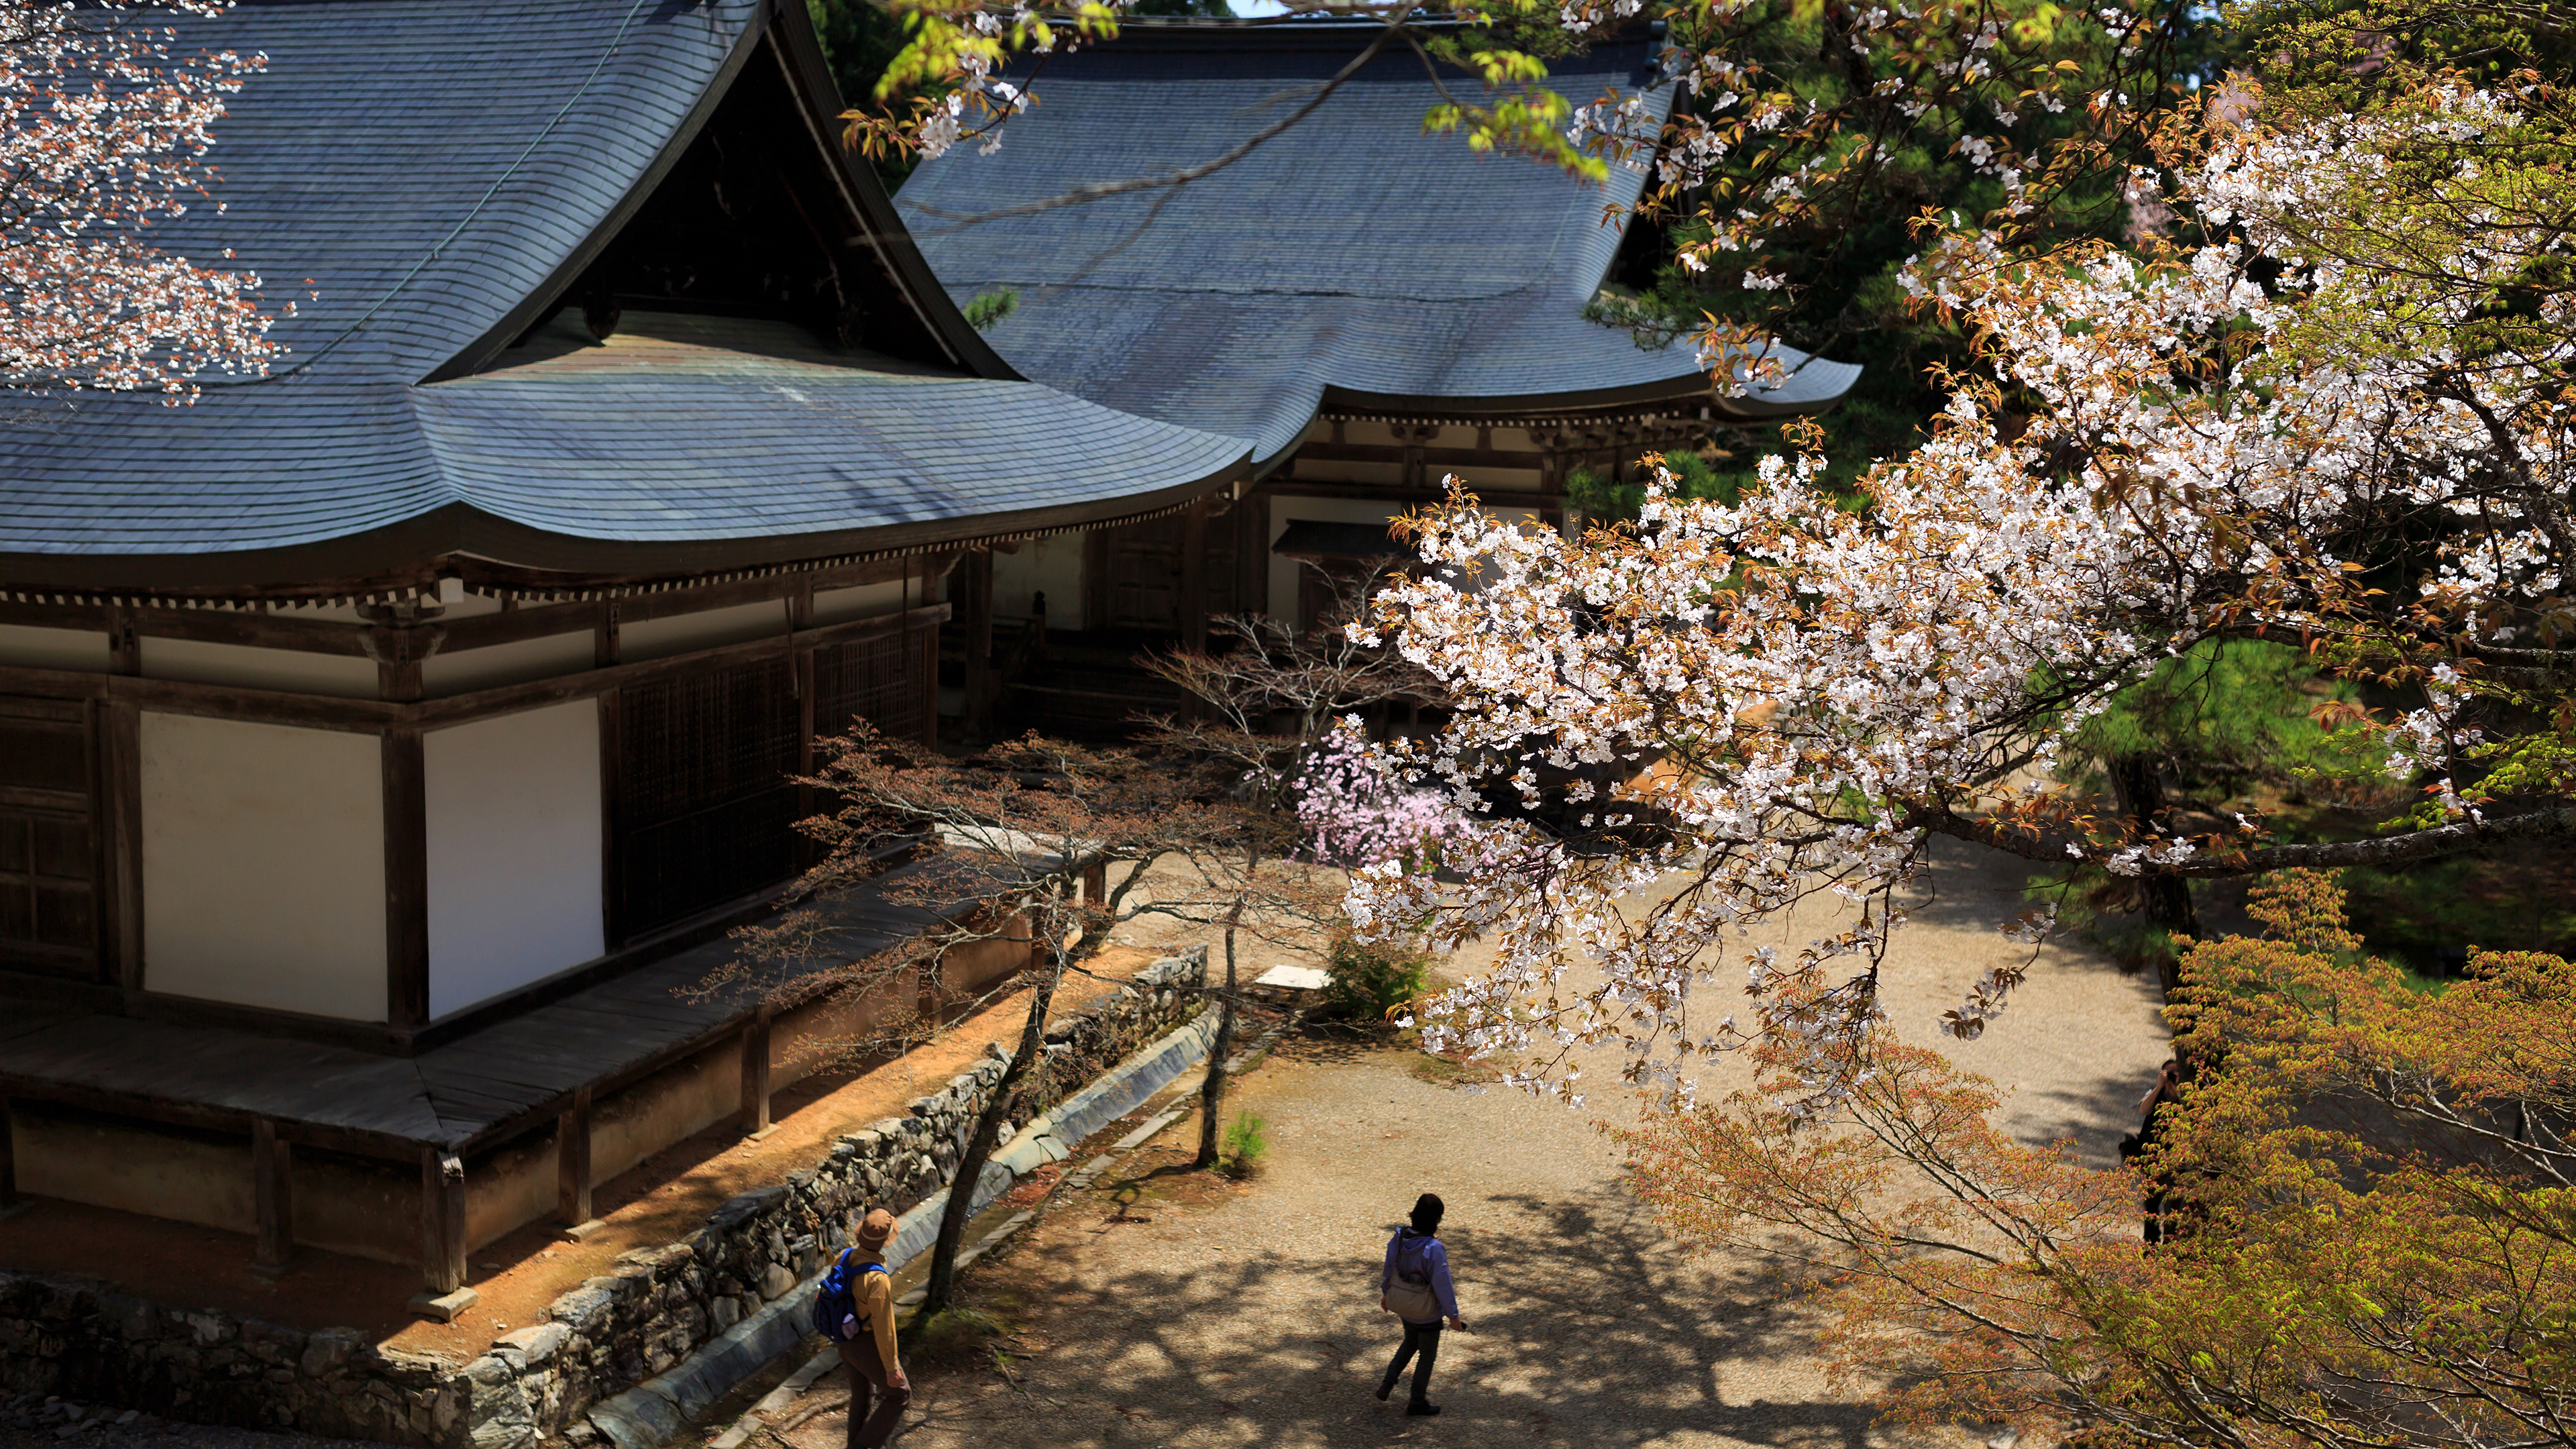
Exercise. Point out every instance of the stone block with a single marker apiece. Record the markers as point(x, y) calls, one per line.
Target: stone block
point(534, 1346)
point(328, 1349)
point(443, 1307)
point(774, 1281)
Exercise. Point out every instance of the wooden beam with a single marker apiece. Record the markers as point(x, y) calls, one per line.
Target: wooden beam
point(406, 882)
point(572, 1161)
point(8, 1151)
point(1193, 603)
point(272, 1168)
point(755, 1075)
point(442, 1220)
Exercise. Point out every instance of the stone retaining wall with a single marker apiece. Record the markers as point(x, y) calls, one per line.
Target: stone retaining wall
point(82, 1340)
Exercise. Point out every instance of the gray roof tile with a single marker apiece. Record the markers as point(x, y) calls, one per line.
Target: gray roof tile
point(423, 168)
point(1352, 252)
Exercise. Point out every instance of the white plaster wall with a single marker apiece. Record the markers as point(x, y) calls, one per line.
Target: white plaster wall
point(348, 676)
point(659, 638)
point(1049, 565)
point(834, 606)
point(264, 865)
point(30, 648)
point(514, 852)
point(498, 664)
point(1285, 510)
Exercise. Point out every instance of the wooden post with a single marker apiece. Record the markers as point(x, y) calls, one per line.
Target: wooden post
point(978, 587)
point(8, 1153)
point(272, 1168)
point(1194, 609)
point(573, 1209)
point(122, 906)
point(1252, 553)
point(406, 882)
point(442, 1223)
point(1095, 882)
point(612, 714)
point(755, 1075)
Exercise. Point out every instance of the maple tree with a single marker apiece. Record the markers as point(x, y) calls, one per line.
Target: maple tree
point(1009, 838)
point(2371, 1191)
point(104, 132)
point(1268, 703)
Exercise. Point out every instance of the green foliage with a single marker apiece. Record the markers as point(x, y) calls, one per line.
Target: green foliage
point(986, 312)
point(1603, 501)
point(2228, 711)
point(859, 40)
point(1245, 1143)
point(1370, 981)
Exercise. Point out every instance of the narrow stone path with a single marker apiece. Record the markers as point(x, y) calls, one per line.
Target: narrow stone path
point(1167, 1308)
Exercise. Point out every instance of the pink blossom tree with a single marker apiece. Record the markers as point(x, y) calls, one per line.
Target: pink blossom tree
point(103, 133)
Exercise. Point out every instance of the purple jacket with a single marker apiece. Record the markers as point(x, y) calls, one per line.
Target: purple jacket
point(1419, 1257)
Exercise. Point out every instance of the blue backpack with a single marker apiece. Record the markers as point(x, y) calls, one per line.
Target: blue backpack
point(837, 1298)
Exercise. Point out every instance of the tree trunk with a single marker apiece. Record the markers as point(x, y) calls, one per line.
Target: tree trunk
point(1212, 1089)
point(979, 1144)
point(2166, 898)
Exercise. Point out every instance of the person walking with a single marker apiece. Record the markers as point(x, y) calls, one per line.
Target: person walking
point(1416, 1288)
point(865, 1336)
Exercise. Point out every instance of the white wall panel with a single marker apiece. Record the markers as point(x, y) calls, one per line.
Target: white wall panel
point(660, 638)
point(496, 664)
point(514, 851)
point(53, 648)
point(836, 606)
point(264, 865)
point(293, 671)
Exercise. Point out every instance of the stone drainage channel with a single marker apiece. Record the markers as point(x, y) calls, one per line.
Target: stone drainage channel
point(1156, 1080)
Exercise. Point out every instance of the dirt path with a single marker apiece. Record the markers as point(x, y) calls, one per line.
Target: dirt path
point(1164, 1308)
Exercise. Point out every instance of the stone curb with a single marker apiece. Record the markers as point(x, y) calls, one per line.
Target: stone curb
point(658, 1409)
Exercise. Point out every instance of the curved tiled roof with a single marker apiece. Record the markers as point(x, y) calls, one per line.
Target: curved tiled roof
point(416, 178)
point(1350, 255)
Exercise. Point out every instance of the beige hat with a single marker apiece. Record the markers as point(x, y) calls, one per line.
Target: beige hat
point(875, 1229)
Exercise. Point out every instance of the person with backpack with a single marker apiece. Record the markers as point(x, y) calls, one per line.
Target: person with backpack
point(854, 1308)
point(1415, 1288)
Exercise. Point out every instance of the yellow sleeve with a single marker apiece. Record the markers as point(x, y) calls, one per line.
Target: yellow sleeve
point(877, 1302)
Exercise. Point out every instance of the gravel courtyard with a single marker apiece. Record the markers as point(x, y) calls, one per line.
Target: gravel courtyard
point(1165, 1308)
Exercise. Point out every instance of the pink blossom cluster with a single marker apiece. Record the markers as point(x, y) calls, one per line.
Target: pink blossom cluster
point(1358, 810)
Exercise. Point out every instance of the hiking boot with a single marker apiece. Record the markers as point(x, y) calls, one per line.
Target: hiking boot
point(1418, 1406)
point(1385, 1387)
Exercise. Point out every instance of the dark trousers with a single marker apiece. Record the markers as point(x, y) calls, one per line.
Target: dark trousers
point(870, 1428)
point(1423, 1338)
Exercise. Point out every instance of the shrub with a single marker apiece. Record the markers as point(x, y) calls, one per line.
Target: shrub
point(1369, 981)
point(1245, 1142)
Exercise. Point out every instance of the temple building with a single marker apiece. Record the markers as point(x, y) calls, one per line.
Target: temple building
point(1367, 306)
point(380, 738)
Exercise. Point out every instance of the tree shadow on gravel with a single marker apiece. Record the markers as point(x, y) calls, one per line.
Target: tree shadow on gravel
point(1592, 1330)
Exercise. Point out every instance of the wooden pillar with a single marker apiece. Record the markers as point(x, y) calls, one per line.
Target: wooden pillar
point(8, 1153)
point(1095, 883)
point(442, 1220)
point(272, 1169)
point(572, 1165)
point(755, 1075)
point(1194, 610)
point(1252, 553)
point(121, 759)
point(977, 582)
point(406, 882)
point(611, 789)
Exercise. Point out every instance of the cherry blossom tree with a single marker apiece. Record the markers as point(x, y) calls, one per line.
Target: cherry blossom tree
point(104, 132)
point(1720, 712)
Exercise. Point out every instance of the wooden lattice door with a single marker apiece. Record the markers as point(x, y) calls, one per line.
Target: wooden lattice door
point(48, 837)
point(704, 808)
